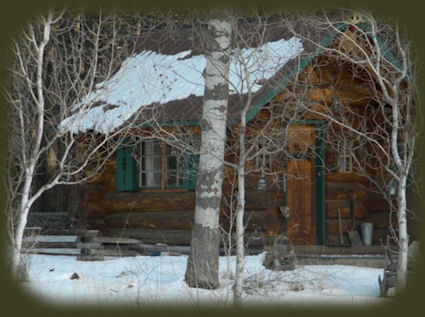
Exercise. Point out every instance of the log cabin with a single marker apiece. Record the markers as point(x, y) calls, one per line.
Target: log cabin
point(147, 190)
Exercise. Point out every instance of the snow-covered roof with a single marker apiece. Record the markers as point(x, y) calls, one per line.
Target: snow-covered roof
point(151, 78)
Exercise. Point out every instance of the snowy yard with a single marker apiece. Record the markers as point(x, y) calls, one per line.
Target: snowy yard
point(137, 281)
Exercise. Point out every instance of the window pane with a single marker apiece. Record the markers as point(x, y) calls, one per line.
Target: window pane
point(146, 163)
point(146, 148)
point(151, 147)
point(151, 163)
point(173, 167)
point(171, 178)
point(147, 180)
point(150, 179)
point(171, 150)
point(157, 163)
point(172, 163)
point(157, 179)
point(157, 147)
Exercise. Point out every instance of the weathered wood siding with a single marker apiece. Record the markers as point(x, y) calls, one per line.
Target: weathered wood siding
point(172, 211)
point(168, 213)
point(367, 207)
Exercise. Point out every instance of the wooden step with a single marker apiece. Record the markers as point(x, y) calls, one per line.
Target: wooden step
point(73, 231)
point(51, 242)
point(52, 238)
point(109, 252)
point(89, 245)
point(158, 248)
point(110, 240)
point(52, 251)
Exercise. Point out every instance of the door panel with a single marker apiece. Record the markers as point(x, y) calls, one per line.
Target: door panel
point(301, 194)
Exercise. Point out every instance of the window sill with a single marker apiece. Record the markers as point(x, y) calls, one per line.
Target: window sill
point(156, 190)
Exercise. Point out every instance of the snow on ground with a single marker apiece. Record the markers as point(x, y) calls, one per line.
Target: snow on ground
point(142, 280)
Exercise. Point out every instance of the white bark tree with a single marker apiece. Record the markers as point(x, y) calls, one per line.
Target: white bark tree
point(253, 66)
point(253, 60)
point(57, 60)
point(202, 268)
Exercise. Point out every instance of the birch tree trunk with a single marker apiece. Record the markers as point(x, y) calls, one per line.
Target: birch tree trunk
point(202, 266)
point(56, 60)
point(240, 251)
point(402, 234)
point(31, 161)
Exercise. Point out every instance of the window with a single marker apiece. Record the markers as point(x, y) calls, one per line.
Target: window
point(161, 165)
point(151, 164)
point(174, 163)
point(345, 160)
point(154, 164)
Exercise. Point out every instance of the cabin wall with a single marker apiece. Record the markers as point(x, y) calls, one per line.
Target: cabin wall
point(368, 206)
point(148, 213)
point(162, 216)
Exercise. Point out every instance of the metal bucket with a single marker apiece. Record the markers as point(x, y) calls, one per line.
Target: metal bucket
point(367, 233)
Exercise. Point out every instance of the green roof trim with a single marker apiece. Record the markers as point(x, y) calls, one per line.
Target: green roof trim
point(303, 63)
point(386, 52)
point(170, 124)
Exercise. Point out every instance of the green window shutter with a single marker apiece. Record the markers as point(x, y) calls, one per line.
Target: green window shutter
point(191, 162)
point(126, 169)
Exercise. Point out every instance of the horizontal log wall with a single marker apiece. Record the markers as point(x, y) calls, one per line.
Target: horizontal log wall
point(367, 207)
point(108, 209)
point(162, 216)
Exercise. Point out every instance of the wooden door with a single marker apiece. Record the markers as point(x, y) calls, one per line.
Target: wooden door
point(301, 186)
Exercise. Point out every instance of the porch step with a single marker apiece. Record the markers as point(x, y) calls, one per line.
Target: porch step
point(55, 233)
point(52, 251)
point(50, 241)
point(58, 244)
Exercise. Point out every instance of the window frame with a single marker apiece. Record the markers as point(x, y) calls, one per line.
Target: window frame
point(164, 155)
